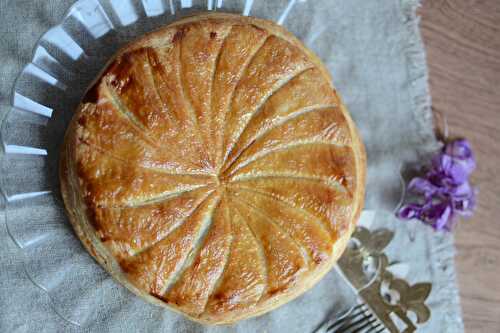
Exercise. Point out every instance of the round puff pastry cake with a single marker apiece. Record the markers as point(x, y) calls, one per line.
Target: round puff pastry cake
point(213, 169)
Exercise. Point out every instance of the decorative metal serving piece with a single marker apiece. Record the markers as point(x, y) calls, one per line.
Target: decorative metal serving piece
point(397, 304)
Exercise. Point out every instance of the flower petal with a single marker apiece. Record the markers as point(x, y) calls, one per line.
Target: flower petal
point(468, 165)
point(442, 163)
point(410, 211)
point(463, 190)
point(458, 172)
point(439, 215)
point(444, 218)
point(460, 149)
point(422, 186)
point(466, 203)
point(449, 170)
point(461, 153)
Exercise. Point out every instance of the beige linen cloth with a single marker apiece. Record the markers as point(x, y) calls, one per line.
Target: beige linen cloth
point(376, 56)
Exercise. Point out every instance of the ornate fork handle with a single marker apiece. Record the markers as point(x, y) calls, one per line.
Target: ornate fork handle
point(385, 299)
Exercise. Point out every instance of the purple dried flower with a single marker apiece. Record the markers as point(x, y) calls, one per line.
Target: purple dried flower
point(445, 191)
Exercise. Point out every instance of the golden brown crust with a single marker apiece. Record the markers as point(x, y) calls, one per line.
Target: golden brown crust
point(213, 169)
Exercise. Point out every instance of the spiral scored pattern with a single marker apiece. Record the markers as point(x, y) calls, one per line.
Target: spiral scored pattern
point(215, 164)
